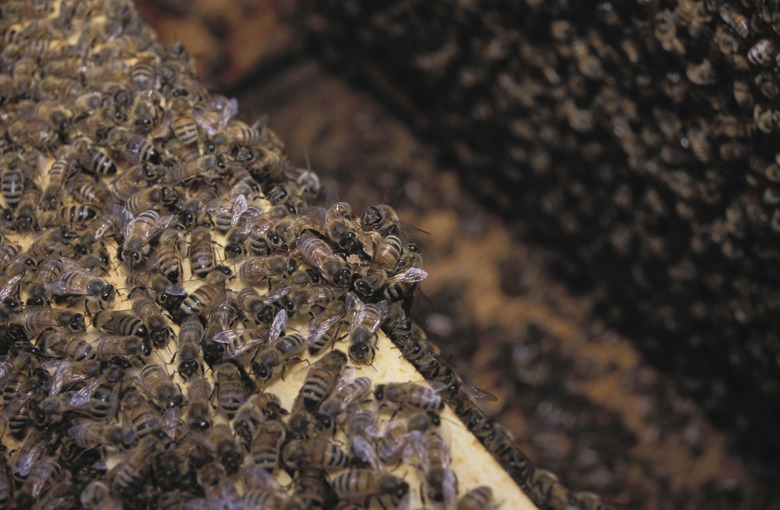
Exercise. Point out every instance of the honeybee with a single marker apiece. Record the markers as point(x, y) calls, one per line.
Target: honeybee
point(157, 382)
point(409, 394)
point(735, 20)
point(167, 260)
point(157, 284)
point(319, 255)
point(201, 252)
point(129, 181)
point(200, 301)
point(182, 122)
point(43, 472)
point(545, 489)
point(57, 344)
point(139, 231)
point(238, 342)
point(341, 227)
point(380, 218)
point(120, 322)
point(310, 487)
point(99, 397)
point(149, 312)
point(224, 446)
point(146, 111)
point(66, 372)
point(217, 487)
point(93, 159)
point(229, 388)
point(151, 197)
point(27, 208)
point(440, 480)
point(478, 498)
point(27, 455)
point(135, 149)
point(322, 378)
point(130, 472)
point(226, 211)
point(89, 433)
point(267, 362)
point(254, 306)
point(274, 267)
point(323, 327)
point(259, 408)
point(762, 53)
point(364, 321)
point(238, 233)
point(198, 407)
point(97, 495)
point(346, 393)
point(319, 453)
point(364, 484)
point(110, 346)
point(190, 356)
point(77, 281)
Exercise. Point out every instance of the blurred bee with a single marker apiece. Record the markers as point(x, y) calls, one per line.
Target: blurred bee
point(225, 448)
point(168, 261)
point(217, 487)
point(143, 75)
point(129, 181)
point(702, 74)
point(440, 480)
point(149, 312)
point(65, 372)
point(99, 397)
point(93, 159)
point(146, 111)
point(254, 306)
point(735, 20)
point(545, 489)
point(157, 382)
point(205, 167)
point(310, 487)
point(110, 346)
point(201, 252)
point(27, 208)
point(198, 407)
point(364, 321)
point(43, 472)
point(364, 484)
point(324, 327)
point(139, 231)
point(341, 227)
point(322, 378)
point(259, 408)
point(316, 452)
point(150, 198)
point(229, 388)
point(130, 472)
point(89, 433)
point(190, 356)
point(478, 498)
point(409, 394)
point(28, 453)
point(182, 122)
point(77, 281)
point(380, 218)
point(762, 53)
point(269, 361)
point(120, 322)
point(346, 393)
point(97, 495)
point(266, 444)
point(742, 95)
point(319, 255)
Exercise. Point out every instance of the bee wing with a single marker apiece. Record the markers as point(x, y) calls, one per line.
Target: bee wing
point(160, 225)
point(450, 488)
point(411, 275)
point(229, 335)
point(124, 219)
point(70, 265)
point(239, 206)
point(366, 452)
point(82, 396)
point(6, 290)
point(355, 309)
point(175, 290)
point(278, 326)
point(319, 327)
point(280, 292)
point(56, 369)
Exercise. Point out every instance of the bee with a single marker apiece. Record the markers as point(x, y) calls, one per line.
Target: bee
point(243, 184)
point(204, 167)
point(120, 322)
point(217, 487)
point(111, 346)
point(229, 388)
point(440, 480)
point(365, 320)
point(201, 252)
point(310, 487)
point(200, 301)
point(97, 495)
point(346, 393)
point(237, 342)
point(63, 373)
point(341, 227)
point(168, 261)
point(319, 453)
point(149, 312)
point(77, 281)
point(400, 285)
point(94, 159)
point(146, 111)
point(12, 183)
point(182, 122)
point(139, 412)
point(99, 397)
point(8, 252)
point(27, 455)
point(59, 172)
point(89, 433)
point(273, 268)
point(324, 327)
point(43, 472)
point(139, 231)
point(742, 94)
point(364, 484)
point(27, 208)
point(226, 211)
point(157, 284)
point(381, 219)
point(259, 408)
point(409, 394)
point(157, 382)
point(77, 214)
point(254, 306)
point(242, 133)
point(545, 489)
point(143, 75)
point(735, 20)
point(151, 197)
point(198, 407)
point(702, 74)
point(266, 362)
point(190, 356)
point(225, 448)
point(319, 255)
point(322, 378)
point(130, 472)
point(238, 233)
point(75, 348)
point(478, 498)
point(762, 53)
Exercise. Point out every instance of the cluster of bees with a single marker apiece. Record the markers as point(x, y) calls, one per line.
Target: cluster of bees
point(162, 270)
point(637, 139)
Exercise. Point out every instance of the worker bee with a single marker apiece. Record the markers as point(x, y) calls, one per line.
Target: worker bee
point(143, 74)
point(225, 448)
point(364, 484)
point(545, 489)
point(341, 227)
point(324, 327)
point(200, 301)
point(130, 472)
point(440, 480)
point(182, 122)
point(310, 487)
point(149, 312)
point(762, 53)
point(259, 408)
point(77, 281)
point(190, 356)
point(346, 393)
point(254, 306)
point(89, 433)
point(380, 218)
point(167, 255)
point(319, 255)
point(155, 283)
point(702, 74)
point(120, 322)
point(99, 397)
point(229, 388)
point(217, 487)
point(139, 231)
point(76, 348)
point(110, 346)
point(478, 498)
point(45, 470)
point(322, 378)
point(146, 111)
point(134, 148)
point(409, 394)
point(27, 208)
point(94, 159)
point(364, 321)
point(269, 361)
point(27, 455)
point(316, 452)
point(226, 211)
point(273, 267)
point(157, 382)
point(12, 183)
point(64, 372)
point(198, 407)
point(735, 20)
point(151, 197)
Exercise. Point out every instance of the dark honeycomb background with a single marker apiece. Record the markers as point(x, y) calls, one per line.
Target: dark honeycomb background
point(599, 182)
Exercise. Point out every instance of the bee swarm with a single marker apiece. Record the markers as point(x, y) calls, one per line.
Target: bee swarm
point(180, 329)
